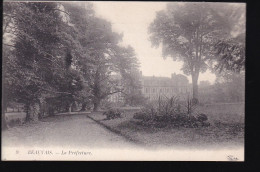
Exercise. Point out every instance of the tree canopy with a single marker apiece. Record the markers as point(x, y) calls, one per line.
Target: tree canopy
point(60, 52)
point(192, 33)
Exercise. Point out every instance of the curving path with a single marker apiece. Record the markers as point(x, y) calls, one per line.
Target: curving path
point(64, 130)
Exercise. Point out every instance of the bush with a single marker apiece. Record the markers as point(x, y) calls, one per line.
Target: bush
point(170, 112)
point(202, 117)
point(177, 120)
point(14, 122)
point(142, 116)
point(112, 114)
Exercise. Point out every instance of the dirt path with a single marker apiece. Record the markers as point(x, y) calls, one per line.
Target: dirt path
point(63, 130)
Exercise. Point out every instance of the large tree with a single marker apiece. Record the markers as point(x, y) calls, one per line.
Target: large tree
point(96, 38)
point(230, 54)
point(188, 32)
point(127, 66)
point(232, 84)
point(102, 57)
point(41, 40)
point(58, 53)
point(230, 50)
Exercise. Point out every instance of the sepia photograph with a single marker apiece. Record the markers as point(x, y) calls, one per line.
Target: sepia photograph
point(123, 81)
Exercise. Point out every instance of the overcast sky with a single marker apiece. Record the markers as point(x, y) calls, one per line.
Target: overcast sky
point(133, 19)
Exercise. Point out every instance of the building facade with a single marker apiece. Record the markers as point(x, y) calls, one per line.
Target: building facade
point(154, 87)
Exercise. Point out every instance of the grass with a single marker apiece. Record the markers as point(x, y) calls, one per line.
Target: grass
point(226, 129)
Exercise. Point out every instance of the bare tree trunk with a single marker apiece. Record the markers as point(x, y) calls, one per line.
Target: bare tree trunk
point(51, 111)
point(43, 107)
point(70, 107)
point(84, 107)
point(96, 105)
point(4, 123)
point(74, 107)
point(32, 112)
point(195, 88)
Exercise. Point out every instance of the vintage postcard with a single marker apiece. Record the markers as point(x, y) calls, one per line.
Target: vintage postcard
point(123, 81)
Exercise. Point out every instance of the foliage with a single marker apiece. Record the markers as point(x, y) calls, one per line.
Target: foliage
point(164, 106)
point(177, 120)
point(135, 98)
point(190, 32)
point(126, 64)
point(29, 64)
point(60, 53)
point(14, 122)
point(229, 87)
point(230, 51)
point(169, 113)
point(230, 54)
point(101, 56)
point(232, 85)
point(202, 117)
point(112, 114)
point(142, 116)
point(190, 106)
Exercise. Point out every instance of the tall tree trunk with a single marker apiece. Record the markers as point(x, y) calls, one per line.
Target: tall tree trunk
point(42, 108)
point(74, 107)
point(70, 107)
point(96, 105)
point(4, 107)
point(84, 107)
point(195, 88)
point(4, 123)
point(32, 112)
point(51, 111)
point(50, 108)
point(26, 107)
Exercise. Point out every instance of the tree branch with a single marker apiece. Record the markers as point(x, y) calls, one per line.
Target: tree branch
point(9, 45)
point(56, 91)
point(62, 11)
point(118, 91)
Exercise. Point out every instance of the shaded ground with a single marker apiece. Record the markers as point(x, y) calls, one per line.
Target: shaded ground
point(63, 130)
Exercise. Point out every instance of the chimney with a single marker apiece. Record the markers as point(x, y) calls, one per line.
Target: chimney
point(173, 75)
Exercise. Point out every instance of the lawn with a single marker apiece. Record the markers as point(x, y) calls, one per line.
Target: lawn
point(226, 129)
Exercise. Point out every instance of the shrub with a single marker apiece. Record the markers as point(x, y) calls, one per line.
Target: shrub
point(162, 106)
point(142, 116)
point(202, 117)
point(170, 112)
point(14, 122)
point(177, 120)
point(112, 114)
